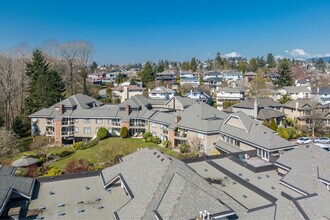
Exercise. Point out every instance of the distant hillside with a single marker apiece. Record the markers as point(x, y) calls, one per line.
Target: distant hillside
point(325, 59)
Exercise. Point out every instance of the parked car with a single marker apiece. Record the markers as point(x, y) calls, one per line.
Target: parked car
point(304, 140)
point(322, 140)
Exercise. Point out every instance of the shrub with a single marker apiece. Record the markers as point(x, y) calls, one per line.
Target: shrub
point(285, 134)
point(156, 140)
point(78, 145)
point(54, 171)
point(147, 135)
point(90, 144)
point(123, 132)
point(184, 148)
point(102, 133)
point(64, 153)
point(273, 125)
point(166, 143)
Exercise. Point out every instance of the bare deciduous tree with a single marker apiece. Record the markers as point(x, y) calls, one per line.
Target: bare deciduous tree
point(8, 144)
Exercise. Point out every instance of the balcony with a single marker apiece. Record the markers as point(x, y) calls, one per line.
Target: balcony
point(50, 122)
point(67, 133)
point(67, 123)
point(180, 135)
point(138, 124)
point(116, 124)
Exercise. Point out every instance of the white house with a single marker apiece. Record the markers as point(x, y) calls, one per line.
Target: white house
point(191, 80)
point(199, 96)
point(212, 74)
point(126, 92)
point(186, 74)
point(296, 92)
point(233, 76)
point(161, 92)
point(229, 94)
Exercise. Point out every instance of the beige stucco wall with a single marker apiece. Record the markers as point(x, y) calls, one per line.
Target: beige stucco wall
point(235, 122)
point(246, 147)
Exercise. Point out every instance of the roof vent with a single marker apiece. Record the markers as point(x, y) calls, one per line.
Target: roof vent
point(155, 152)
point(307, 146)
point(162, 159)
point(158, 156)
point(265, 132)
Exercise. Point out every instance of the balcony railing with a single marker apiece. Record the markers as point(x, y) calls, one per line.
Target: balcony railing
point(67, 122)
point(165, 131)
point(67, 133)
point(180, 135)
point(50, 123)
point(137, 124)
point(49, 133)
point(115, 123)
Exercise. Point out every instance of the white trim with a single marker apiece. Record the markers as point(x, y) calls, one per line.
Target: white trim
point(283, 167)
point(235, 116)
point(293, 188)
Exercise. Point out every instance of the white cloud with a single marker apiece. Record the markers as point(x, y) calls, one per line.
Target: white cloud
point(298, 53)
point(279, 57)
point(232, 54)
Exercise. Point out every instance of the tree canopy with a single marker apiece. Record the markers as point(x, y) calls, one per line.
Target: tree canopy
point(285, 74)
point(46, 86)
point(147, 74)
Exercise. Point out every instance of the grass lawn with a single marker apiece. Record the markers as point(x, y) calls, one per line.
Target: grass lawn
point(117, 145)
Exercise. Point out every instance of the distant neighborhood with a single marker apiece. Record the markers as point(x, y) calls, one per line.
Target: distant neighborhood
point(226, 138)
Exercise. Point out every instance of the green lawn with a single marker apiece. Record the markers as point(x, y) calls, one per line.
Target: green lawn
point(105, 151)
point(94, 154)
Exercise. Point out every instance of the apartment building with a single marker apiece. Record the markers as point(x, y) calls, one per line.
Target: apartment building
point(126, 92)
point(161, 92)
point(180, 121)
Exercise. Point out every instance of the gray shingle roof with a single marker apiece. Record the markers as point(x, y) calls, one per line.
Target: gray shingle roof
point(201, 116)
point(296, 89)
point(262, 103)
point(162, 89)
point(227, 89)
point(164, 183)
point(264, 114)
point(186, 102)
point(255, 133)
point(8, 183)
point(307, 164)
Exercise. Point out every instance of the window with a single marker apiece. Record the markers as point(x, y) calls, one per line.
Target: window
point(99, 121)
point(76, 120)
point(154, 125)
point(201, 136)
point(76, 130)
point(87, 130)
point(87, 121)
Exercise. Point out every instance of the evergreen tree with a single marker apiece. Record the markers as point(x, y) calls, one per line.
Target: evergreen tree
point(253, 65)
point(193, 64)
point(284, 71)
point(273, 125)
point(46, 86)
point(160, 67)
point(185, 66)
point(18, 126)
point(243, 66)
point(271, 60)
point(147, 74)
point(93, 66)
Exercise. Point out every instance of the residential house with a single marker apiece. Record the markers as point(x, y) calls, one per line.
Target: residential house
point(249, 77)
point(194, 81)
point(229, 94)
point(161, 92)
point(213, 82)
point(126, 92)
point(199, 96)
point(239, 133)
point(112, 76)
point(233, 76)
point(296, 92)
point(322, 94)
point(186, 74)
point(212, 74)
point(303, 82)
point(166, 76)
point(262, 109)
point(302, 110)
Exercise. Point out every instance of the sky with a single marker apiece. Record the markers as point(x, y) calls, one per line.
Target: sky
point(123, 31)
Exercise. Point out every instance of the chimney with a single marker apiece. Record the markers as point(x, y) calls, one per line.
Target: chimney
point(296, 104)
point(255, 108)
point(61, 109)
point(125, 95)
point(177, 119)
point(127, 110)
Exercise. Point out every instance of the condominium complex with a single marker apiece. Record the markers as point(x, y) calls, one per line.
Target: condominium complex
point(178, 120)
